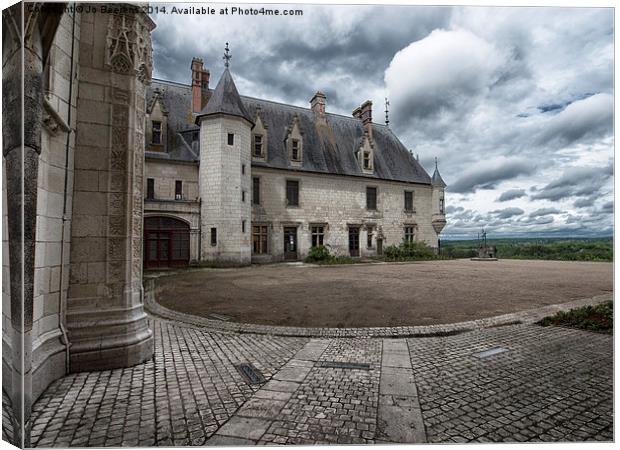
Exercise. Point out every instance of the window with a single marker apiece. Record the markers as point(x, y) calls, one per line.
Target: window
point(367, 165)
point(318, 233)
point(441, 205)
point(242, 169)
point(409, 233)
point(259, 239)
point(292, 193)
point(369, 238)
point(150, 188)
point(256, 191)
point(231, 139)
point(371, 198)
point(295, 150)
point(408, 200)
point(178, 190)
point(243, 196)
point(213, 236)
point(258, 145)
point(156, 132)
point(243, 226)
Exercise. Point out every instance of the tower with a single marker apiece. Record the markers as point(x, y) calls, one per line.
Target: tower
point(439, 206)
point(225, 176)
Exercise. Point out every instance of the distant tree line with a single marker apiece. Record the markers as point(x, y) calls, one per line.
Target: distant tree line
point(563, 249)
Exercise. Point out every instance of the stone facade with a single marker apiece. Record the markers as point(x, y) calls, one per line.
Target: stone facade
point(338, 203)
point(83, 240)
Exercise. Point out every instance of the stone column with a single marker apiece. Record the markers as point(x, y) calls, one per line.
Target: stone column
point(105, 318)
point(21, 149)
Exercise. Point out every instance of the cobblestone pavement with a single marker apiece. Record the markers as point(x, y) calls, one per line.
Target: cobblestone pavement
point(7, 418)
point(550, 384)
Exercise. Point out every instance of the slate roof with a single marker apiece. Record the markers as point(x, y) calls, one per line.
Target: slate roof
point(437, 180)
point(225, 100)
point(330, 149)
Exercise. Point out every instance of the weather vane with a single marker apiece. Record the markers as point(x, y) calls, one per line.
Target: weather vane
point(387, 117)
point(227, 56)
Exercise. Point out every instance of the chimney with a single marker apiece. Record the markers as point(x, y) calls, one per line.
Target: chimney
point(200, 85)
point(317, 104)
point(364, 113)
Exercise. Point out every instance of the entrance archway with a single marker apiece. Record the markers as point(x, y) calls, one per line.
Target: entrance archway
point(166, 242)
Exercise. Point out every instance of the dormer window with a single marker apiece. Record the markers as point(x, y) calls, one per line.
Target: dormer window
point(367, 163)
point(295, 150)
point(156, 132)
point(259, 137)
point(258, 145)
point(295, 143)
point(365, 155)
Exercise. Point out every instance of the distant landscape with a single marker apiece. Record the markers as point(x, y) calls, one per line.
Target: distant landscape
point(563, 249)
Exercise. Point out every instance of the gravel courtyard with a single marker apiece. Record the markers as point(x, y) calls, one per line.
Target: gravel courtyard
point(366, 295)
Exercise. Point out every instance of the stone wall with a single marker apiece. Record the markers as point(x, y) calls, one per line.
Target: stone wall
point(166, 172)
point(105, 319)
point(222, 183)
point(339, 201)
point(7, 327)
point(54, 206)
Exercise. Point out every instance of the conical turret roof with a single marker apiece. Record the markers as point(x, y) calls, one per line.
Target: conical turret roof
point(437, 180)
point(225, 100)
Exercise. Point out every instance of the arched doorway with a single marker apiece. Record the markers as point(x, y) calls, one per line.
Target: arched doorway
point(166, 242)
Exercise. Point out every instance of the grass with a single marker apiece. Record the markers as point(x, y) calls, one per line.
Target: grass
point(599, 318)
point(562, 249)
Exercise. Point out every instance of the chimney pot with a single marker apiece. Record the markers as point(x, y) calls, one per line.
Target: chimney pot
point(364, 113)
point(318, 102)
point(200, 85)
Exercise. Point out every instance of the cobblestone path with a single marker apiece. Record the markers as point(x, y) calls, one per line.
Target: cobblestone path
point(536, 384)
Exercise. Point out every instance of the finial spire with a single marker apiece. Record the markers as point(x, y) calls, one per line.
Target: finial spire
point(227, 56)
point(387, 116)
point(435, 163)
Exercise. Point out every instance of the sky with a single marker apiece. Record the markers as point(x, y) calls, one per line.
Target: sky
point(516, 103)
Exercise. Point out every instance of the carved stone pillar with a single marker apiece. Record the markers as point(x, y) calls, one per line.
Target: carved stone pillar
point(105, 318)
point(21, 149)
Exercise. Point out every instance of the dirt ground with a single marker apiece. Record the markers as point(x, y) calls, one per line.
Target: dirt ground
point(364, 295)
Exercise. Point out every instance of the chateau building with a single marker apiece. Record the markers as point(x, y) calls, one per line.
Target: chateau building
point(231, 179)
point(114, 171)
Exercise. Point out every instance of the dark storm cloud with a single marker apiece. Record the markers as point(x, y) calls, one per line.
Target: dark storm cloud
point(584, 202)
point(488, 175)
point(291, 59)
point(576, 182)
point(506, 213)
point(475, 86)
point(511, 194)
point(545, 212)
point(591, 117)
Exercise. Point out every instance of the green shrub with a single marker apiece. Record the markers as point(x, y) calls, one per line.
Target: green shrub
point(598, 318)
point(409, 251)
point(318, 254)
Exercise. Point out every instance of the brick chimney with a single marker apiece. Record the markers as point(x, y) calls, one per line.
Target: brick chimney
point(200, 85)
point(364, 113)
point(317, 104)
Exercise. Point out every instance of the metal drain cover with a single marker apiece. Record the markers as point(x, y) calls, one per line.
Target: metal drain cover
point(344, 365)
point(250, 373)
point(490, 352)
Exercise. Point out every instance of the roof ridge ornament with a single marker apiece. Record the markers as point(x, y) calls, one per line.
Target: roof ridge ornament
point(227, 56)
point(387, 116)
